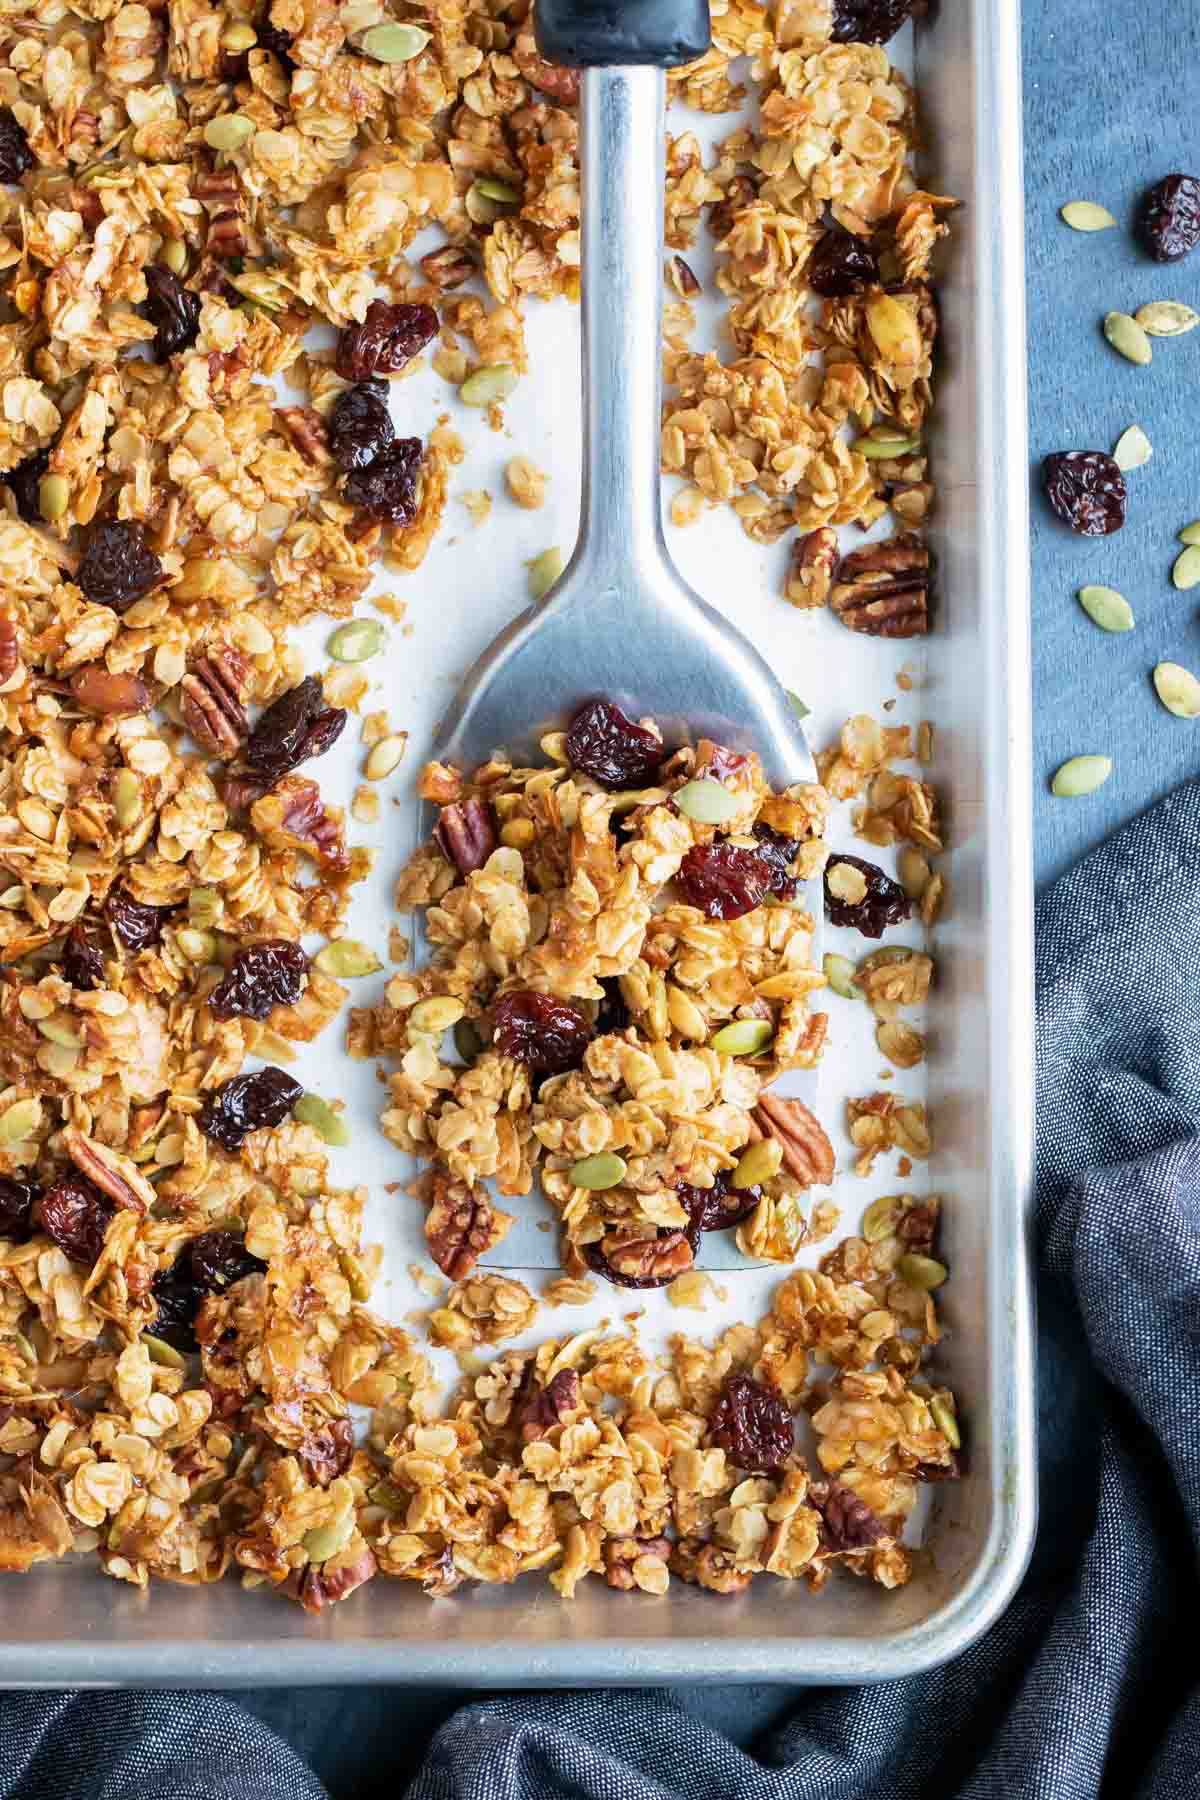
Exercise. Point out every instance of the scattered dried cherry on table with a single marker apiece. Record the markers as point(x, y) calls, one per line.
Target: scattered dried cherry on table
point(884, 903)
point(261, 977)
point(296, 726)
point(75, 1216)
point(870, 21)
point(246, 1103)
point(388, 338)
point(17, 1201)
point(25, 481)
point(546, 1034)
point(840, 264)
point(613, 750)
point(83, 958)
point(172, 309)
point(1169, 219)
point(753, 1425)
point(719, 1207)
point(386, 488)
point(16, 158)
point(1086, 489)
point(360, 425)
point(133, 923)
point(724, 880)
point(118, 566)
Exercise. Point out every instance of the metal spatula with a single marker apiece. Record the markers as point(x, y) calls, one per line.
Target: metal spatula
point(621, 622)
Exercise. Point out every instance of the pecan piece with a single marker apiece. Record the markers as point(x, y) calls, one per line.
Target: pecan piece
point(849, 1522)
point(694, 1560)
point(654, 1260)
point(559, 81)
point(330, 1582)
point(807, 1151)
point(226, 236)
point(546, 1407)
point(293, 816)
point(211, 701)
point(738, 194)
point(917, 1226)
point(683, 280)
point(109, 696)
point(114, 1175)
point(621, 1553)
point(466, 834)
point(327, 1451)
point(306, 428)
point(884, 589)
point(448, 267)
point(10, 654)
point(459, 1226)
point(810, 572)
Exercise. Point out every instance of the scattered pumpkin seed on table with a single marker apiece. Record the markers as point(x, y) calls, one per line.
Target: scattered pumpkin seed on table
point(495, 381)
point(1127, 338)
point(1185, 572)
point(1166, 318)
point(346, 959)
point(355, 642)
point(797, 705)
point(1132, 449)
point(329, 1125)
point(839, 973)
point(1178, 689)
point(544, 571)
point(1080, 775)
point(1106, 608)
point(1086, 215)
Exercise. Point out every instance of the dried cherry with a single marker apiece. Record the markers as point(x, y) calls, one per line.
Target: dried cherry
point(753, 1425)
point(245, 1103)
point(1170, 217)
point(172, 309)
point(25, 481)
point(720, 1206)
point(388, 337)
point(603, 743)
point(261, 976)
point(17, 1201)
point(884, 903)
point(16, 158)
point(219, 1258)
point(360, 425)
point(723, 880)
point(83, 958)
point(118, 566)
point(279, 43)
point(210, 1264)
point(548, 1035)
point(613, 1014)
point(781, 852)
point(869, 21)
point(178, 1301)
point(1086, 490)
point(841, 264)
point(296, 726)
point(75, 1215)
point(387, 487)
point(133, 923)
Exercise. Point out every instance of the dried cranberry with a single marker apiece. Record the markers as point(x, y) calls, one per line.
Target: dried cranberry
point(17, 1199)
point(117, 566)
point(547, 1034)
point(1086, 490)
point(1170, 217)
point(850, 1523)
point(388, 337)
point(884, 903)
point(296, 726)
point(219, 1258)
point(260, 977)
point(387, 487)
point(245, 1103)
point(83, 958)
point(75, 1215)
point(753, 1425)
point(178, 1301)
point(869, 21)
point(16, 158)
point(603, 743)
point(25, 480)
point(360, 425)
point(613, 1014)
point(133, 923)
point(172, 309)
point(723, 880)
point(720, 1206)
point(841, 264)
point(279, 43)
point(781, 853)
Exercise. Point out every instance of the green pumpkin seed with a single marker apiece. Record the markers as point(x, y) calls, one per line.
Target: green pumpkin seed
point(1178, 690)
point(19, 1121)
point(437, 1014)
point(605, 1170)
point(229, 132)
point(1132, 449)
point(355, 642)
point(482, 387)
point(198, 946)
point(467, 1040)
point(1127, 338)
point(707, 802)
point(884, 447)
point(758, 1163)
point(1190, 533)
point(1085, 215)
point(1166, 318)
point(1106, 608)
point(1186, 572)
point(162, 1353)
point(923, 1272)
point(394, 43)
point(174, 254)
point(347, 959)
point(946, 1420)
point(239, 37)
point(391, 1502)
point(745, 1037)
point(204, 906)
point(839, 973)
point(13, 896)
point(325, 1541)
point(54, 495)
point(544, 571)
point(1081, 775)
point(880, 1219)
point(127, 798)
point(356, 1275)
point(492, 189)
point(329, 1126)
point(797, 705)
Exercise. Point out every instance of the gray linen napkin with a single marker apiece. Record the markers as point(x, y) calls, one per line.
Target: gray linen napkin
point(1088, 1686)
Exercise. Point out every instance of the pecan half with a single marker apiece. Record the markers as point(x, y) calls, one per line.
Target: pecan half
point(884, 589)
point(807, 1151)
point(694, 1560)
point(211, 701)
point(332, 1581)
point(306, 428)
point(466, 833)
point(459, 1226)
point(448, 267)
point(114, 1175)
point(849, 1522)
point(546, 1407)
point(620, 1554)
point(810, 572)
point(10, 654)
point(293, 816)
point(656, 1259)
point(557, 80)
point(110, 696)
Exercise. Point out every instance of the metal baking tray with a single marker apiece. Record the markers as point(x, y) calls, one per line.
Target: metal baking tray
point(67, 1625)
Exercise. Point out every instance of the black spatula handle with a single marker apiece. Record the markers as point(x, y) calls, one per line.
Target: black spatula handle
point(595, 34)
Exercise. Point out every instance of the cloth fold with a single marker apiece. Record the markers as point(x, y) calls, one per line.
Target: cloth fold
point(1087, 1687)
